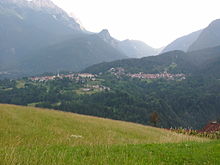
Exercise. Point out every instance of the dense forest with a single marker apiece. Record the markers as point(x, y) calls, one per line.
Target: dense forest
point(189, 103)
point(174, 89)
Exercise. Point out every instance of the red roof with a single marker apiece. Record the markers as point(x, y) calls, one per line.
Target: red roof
point(211, 127)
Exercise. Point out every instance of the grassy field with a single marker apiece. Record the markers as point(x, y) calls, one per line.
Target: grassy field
point(38, 136)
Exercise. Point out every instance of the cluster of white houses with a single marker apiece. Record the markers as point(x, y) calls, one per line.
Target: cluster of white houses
point(115, 71)
point(121, 71)
point(157, 76)
point(95, 87)
point(70, 76)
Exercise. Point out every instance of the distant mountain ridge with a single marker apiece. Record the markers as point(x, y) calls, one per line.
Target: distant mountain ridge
point(201, 39)
point(37, 36)
point(24, 30)
point(182, 43)
point(31, 30)
point(131, 48)
point(46, 6)
point(210, 37)
point(71, 55)
point(137, 49)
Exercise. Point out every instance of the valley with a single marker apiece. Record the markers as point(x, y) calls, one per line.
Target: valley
point(69, 95)
point(178, 99)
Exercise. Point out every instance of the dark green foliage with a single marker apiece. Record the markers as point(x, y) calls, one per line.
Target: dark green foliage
point(188, 103)
point(153, 64)
point(204, 62)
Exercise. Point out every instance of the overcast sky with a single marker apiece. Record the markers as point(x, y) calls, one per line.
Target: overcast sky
point(156, 22)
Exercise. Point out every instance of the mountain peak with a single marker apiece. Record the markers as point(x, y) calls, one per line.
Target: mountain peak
point(43, 3)
point(215, 24)
point(105, 35)
point(105, 31)
point(46, 7)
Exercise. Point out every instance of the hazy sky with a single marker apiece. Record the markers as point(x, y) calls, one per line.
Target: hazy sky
point(156, 22)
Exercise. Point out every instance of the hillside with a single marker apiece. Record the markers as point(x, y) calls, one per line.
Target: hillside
point(194, 62)
point(37, 136)
point(209, 37)
point(186, 97)
point(183, 43)
point(49, 127)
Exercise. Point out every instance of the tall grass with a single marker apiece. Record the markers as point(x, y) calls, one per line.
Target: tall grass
point(38, 136)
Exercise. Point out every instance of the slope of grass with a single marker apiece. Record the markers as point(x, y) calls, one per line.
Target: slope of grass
point(31, 126)
point(38, 136)
point(139, 154)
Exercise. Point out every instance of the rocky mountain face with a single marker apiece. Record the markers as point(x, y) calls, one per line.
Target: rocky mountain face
point(210, 37)
point(28, 26)
point(23, 7)
point(37, 35)
point(131, 48)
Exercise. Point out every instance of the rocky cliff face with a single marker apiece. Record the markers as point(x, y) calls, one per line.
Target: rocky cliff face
point(46, 7)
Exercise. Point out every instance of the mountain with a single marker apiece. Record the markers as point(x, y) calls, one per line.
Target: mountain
point(136, 49)
point(31, 30)
point(37, 36)
point(71, 55)
point(33, 12)
point(131, 48)
point(182, 43)
point(210, 37)
point(28, 26)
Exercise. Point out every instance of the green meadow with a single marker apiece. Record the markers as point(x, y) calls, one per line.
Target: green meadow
point(39, 136)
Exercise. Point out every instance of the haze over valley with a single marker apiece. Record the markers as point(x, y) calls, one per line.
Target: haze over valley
point(70, 95)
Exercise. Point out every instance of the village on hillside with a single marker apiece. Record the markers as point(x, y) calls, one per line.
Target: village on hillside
point(121, 72)
point(62, 76)
point(118, 72)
